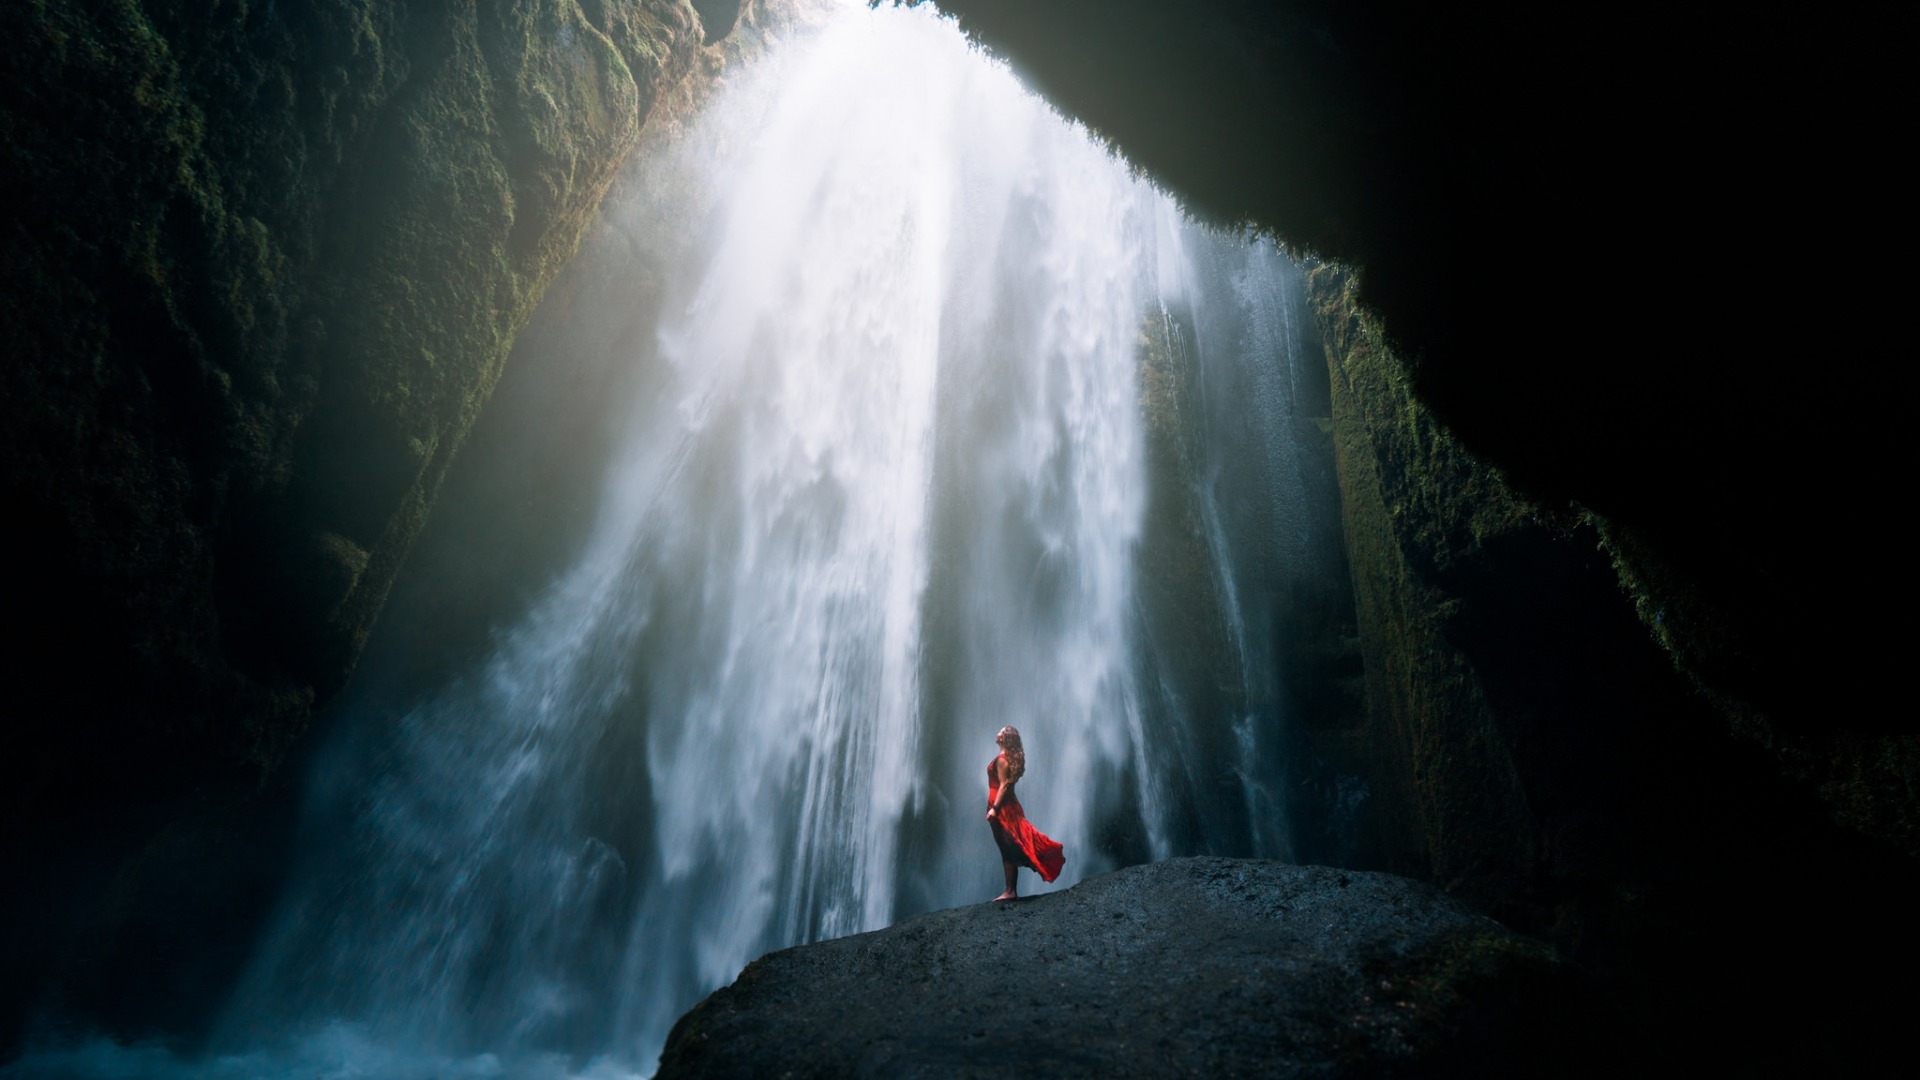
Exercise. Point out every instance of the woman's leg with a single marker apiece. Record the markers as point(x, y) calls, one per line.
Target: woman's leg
point(1013, 872)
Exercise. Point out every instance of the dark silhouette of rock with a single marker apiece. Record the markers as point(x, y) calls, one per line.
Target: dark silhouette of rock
point(1207, 966)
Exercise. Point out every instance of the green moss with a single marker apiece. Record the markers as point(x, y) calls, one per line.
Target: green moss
point(1191, 635)
point(1870, 781)
point(1447, 797)
point(1442, 979)
point(269, 263)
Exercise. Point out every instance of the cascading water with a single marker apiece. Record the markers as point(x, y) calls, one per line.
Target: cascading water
point(956, 423)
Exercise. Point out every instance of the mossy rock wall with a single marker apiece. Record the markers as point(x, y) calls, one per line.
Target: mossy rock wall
point(1528, 744)
point(263, 264)
point(268, 264)
point(1446, 795)
point(1810, 709)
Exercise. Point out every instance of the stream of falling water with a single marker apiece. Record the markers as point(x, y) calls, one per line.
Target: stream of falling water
point(891, 486)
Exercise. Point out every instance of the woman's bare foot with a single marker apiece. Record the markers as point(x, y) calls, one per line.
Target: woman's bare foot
point(1013, 881)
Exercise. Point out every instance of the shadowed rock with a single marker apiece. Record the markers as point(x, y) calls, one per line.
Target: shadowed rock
point(1208, 966)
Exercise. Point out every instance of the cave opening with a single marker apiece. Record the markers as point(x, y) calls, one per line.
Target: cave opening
point(1491, 591)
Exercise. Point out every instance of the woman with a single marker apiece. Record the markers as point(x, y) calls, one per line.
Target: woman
point(1020, 843)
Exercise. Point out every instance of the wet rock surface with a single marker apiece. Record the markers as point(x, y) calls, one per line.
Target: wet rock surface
point(1205, 966)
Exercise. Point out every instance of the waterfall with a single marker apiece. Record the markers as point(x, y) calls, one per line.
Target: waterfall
point(951, 422)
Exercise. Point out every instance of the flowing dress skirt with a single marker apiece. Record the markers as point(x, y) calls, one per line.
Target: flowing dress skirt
point(1021, 843)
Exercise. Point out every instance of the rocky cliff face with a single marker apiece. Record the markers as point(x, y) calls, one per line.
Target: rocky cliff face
point(1529, 746)
point(263, 264)
point(269, 266)
point(1205, 967)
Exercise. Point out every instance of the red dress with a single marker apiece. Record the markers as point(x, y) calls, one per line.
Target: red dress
point(1020, 843)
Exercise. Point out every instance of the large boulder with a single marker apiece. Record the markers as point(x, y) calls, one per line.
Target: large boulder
point(1207, 966)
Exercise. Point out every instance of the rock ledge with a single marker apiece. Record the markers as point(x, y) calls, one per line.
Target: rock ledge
point(1202, 966)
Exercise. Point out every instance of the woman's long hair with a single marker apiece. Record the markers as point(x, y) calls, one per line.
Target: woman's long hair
point(1009, 740)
